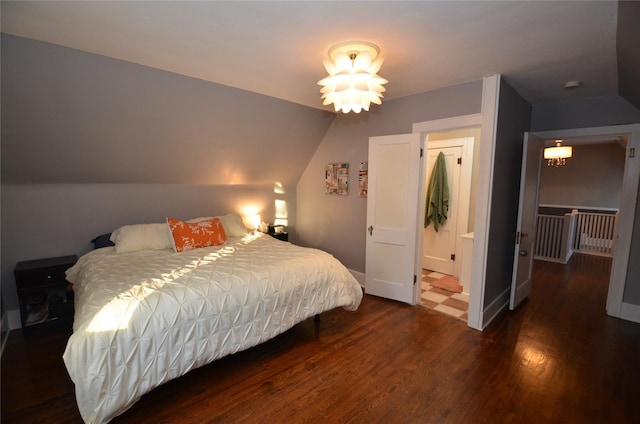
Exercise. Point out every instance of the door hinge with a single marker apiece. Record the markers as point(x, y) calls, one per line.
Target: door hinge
point(453, 256)
point(632, 152)
point(421, 151)
point(415, 279)
point(459, 161)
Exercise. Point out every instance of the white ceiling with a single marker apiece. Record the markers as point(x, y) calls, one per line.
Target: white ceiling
point(277, 48)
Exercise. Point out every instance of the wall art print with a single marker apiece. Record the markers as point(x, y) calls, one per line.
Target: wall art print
point(337, 179)
point(363, 179)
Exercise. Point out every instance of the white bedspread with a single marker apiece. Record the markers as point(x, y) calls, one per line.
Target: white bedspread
point(146, 317)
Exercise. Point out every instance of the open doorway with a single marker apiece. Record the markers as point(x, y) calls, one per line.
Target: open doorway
point(444, 260)
point(579, 203)
point(628, 196)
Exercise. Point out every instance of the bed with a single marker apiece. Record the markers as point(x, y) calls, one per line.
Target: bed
point(146, 316)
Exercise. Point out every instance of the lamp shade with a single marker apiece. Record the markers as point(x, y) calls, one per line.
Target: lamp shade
point(254, 221)
point(353, 83)
point(555, 156)
point(560, 152)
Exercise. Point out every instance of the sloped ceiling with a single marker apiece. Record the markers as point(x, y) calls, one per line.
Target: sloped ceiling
point(276, 48)
point(74, 117)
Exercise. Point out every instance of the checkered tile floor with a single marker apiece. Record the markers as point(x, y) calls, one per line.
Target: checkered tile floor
point(454, 304)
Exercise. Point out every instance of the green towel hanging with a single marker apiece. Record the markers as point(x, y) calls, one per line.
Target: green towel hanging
point(437, 195)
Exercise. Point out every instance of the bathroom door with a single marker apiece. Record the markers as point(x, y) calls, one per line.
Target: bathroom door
point(459, 172)
point(392, 216)
point(439, 247)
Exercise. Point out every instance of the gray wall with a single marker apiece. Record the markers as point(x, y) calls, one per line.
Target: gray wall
point(628, 51)
point(337, 223)
point(47, 220)
point(576, 184)
point(514, 117)
point(591, 112)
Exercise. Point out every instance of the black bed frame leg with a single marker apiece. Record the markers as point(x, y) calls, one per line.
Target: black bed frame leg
point(316, 318)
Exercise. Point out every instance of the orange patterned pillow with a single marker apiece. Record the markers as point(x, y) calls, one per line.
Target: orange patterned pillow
point(188, 236)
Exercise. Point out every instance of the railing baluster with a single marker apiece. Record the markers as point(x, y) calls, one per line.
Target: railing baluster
point(594, 234)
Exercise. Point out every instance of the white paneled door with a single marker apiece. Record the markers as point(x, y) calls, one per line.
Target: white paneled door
point(392, 216)
point(439, 247)
point(527, 212)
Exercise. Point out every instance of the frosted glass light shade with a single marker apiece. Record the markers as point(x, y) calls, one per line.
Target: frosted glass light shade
point(561, 152)
point(555, 156)
point(353, 83)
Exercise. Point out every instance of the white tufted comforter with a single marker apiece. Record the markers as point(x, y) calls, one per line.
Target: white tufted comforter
point(143, 318)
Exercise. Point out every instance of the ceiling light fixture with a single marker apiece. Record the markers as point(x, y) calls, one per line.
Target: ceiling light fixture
point(556, 156)
point(353, 83)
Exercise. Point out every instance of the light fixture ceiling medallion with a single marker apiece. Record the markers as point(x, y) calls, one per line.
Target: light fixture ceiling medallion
point(353, 83)
point(555, 156)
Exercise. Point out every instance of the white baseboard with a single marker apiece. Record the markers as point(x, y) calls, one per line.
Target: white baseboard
point(13, 319)
point(495, 307)
point(4, 323)
point(359, 276)
point(3, 341)
point(630, 312)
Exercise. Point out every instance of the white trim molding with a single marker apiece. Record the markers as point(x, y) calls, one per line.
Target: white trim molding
point(13, 319)
point(487, 121)
point(495, 307)
point(630, 312)
point(359, 276)
point(448, 124)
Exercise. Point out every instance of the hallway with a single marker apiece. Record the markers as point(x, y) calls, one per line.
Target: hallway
point(577, 290)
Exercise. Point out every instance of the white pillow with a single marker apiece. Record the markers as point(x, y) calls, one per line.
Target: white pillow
point(142, 237)
point(232, 223)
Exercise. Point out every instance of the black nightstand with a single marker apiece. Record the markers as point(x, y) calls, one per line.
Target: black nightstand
point(45, 301)
point(280, 236)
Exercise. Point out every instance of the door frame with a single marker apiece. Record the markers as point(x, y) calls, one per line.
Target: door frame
point(487, 121)
point(476, 290)
point(628, 198)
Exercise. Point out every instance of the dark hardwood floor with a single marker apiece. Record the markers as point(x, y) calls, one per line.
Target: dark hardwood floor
point(556, 359)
